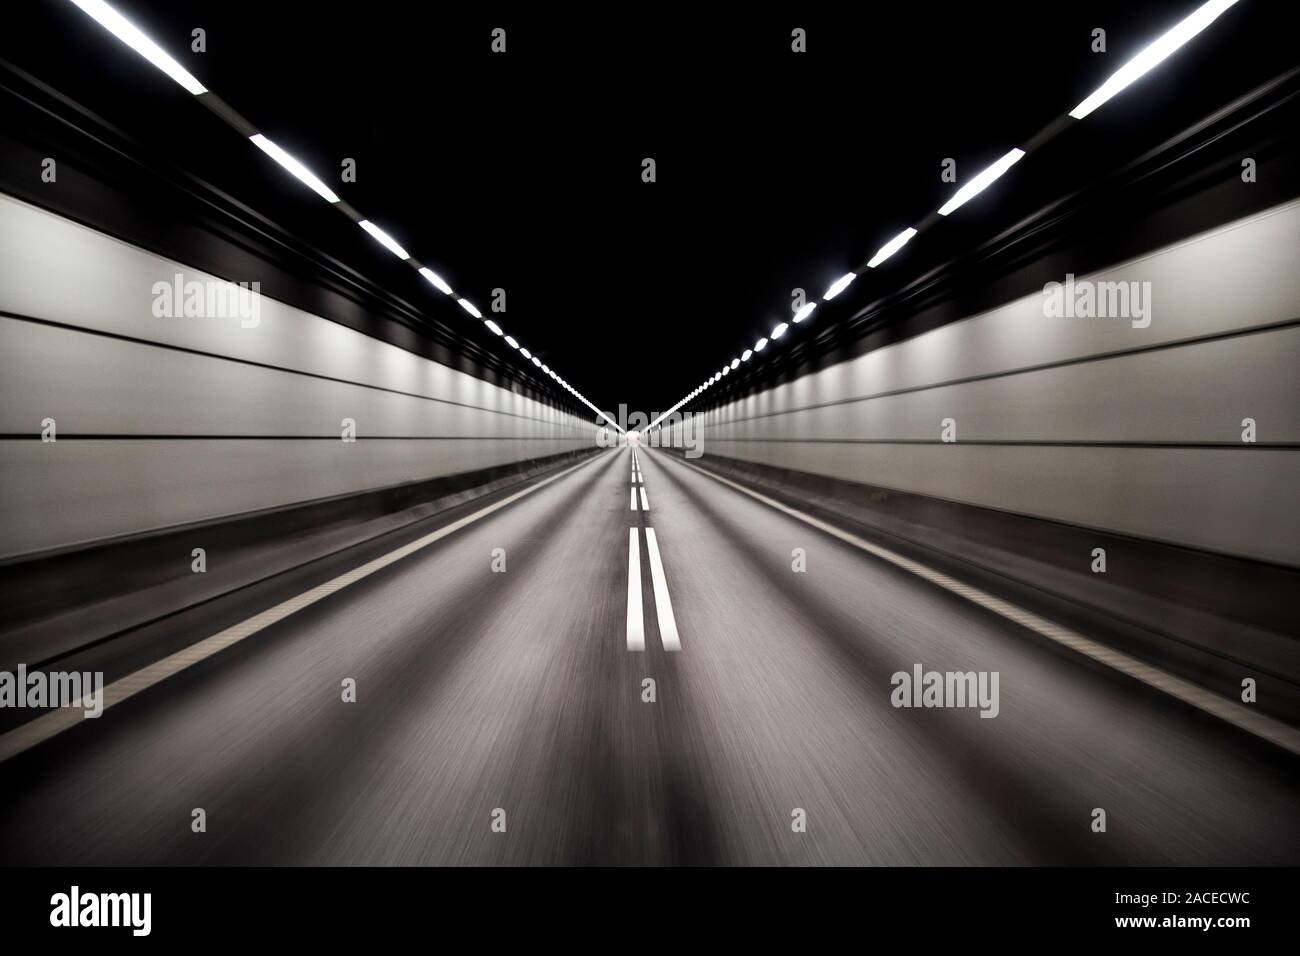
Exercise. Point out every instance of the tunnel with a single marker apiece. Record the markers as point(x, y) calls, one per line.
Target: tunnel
point(797, 439)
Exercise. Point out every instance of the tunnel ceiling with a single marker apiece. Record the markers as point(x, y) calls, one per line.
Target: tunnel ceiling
point(523, 172)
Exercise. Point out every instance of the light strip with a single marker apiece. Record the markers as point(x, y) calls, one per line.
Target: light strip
point(806, 311)
point(137, 40)
point(134, 37)
point(301, 172)
point(436, 280)
point(384, 239)
point(1153, 54)
point(981, 182)
point(892, 246)
point(1147, 59)
point(839, 285)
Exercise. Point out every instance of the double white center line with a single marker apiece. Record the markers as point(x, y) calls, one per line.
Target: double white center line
point(638, 480)
point(659, 581)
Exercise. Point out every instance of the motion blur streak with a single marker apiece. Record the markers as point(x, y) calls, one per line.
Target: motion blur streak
point(784, 705)
point(991, 555)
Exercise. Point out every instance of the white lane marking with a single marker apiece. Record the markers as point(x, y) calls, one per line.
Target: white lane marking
point(634, 499)
point(635, 612)
point(55, 722)
point(636, 476)
point(663, 604)
point(645, 503)
point(1253, 722)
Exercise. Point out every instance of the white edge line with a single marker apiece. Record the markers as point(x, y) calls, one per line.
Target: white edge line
point(663, 604)
point(635, 609)
point(55, 722)
point(1261, 725)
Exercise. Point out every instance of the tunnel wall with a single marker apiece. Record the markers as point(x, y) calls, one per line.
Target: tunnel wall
point(167, 421)
point(1090, 422)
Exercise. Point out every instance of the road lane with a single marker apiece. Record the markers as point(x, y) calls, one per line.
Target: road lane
point(791, 682)
point(259, 736)
point(516, 692)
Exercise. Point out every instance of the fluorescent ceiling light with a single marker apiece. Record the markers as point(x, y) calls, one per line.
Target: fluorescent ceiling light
point(806, 311)
point(537, 361)
point(468, 306)
point(892, 246)
point(496, 329)
point(745, 355)
point(1153, 55)
point(779, 331)
point(544, 368)
point(301, 172)
point(384, 239)
point(525, 353)
point(134, 37)
point(760, 345)
point(735, 363)
point(510, 341)
point(726, 370)
point(839, 285)
point(436, 279)
point(981, 182)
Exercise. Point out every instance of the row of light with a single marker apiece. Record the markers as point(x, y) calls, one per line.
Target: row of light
point(1151, 56)
point(136, 39)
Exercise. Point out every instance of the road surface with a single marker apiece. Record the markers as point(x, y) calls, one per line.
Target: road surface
point(522, 691)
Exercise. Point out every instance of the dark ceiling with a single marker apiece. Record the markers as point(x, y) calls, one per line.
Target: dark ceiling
point(522, 171)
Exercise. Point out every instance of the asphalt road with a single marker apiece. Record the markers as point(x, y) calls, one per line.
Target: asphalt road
point(480, 690)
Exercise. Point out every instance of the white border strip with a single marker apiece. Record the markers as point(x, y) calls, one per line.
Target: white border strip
point(635, 608)
point(663, 604)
